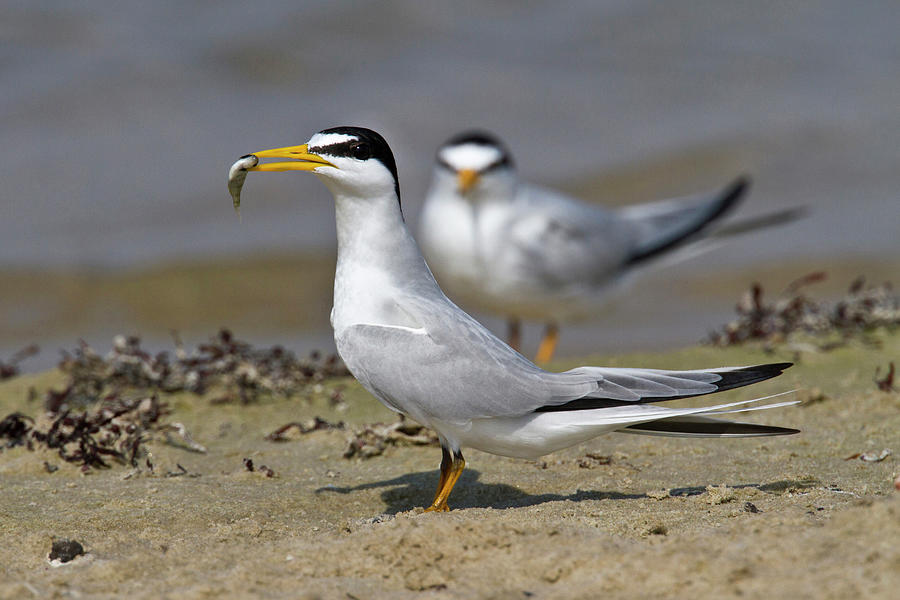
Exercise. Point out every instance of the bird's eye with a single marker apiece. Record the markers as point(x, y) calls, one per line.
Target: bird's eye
point(361, 151)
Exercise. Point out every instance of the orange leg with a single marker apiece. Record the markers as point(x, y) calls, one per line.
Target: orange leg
point(447, 481)
point(548, 344)
point(446, 463)
point(515, 333)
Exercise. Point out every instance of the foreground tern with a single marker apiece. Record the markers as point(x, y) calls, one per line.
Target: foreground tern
point(423, 357)
point(506, 247)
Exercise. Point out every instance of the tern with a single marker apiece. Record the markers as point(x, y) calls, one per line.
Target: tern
point(506, 247)
point(422, 356)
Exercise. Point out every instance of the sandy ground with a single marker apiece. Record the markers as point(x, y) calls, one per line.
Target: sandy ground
point(775, 518)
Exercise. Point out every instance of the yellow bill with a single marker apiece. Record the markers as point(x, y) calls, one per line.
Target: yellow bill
point(466, 179)
point(302, 159)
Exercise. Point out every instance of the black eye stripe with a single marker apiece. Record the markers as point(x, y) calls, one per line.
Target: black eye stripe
point(503, 161)
point(361, 151)
point(378, 148)
point(357, 149)
point(337, 149)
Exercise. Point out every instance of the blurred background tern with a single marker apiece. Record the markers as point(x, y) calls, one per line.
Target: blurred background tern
point(510, 248)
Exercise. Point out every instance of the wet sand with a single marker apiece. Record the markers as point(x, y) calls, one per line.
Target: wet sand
point(775, 517)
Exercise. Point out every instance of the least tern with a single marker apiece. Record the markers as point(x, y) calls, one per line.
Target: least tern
point(422, 356)
point(502, 246)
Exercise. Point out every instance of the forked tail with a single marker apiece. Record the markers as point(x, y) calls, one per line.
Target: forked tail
point(703, 425)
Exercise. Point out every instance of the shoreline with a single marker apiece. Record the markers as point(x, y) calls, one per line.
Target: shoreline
point(261, 293)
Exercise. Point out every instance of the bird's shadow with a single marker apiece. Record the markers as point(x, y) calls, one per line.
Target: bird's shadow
point(417, 489)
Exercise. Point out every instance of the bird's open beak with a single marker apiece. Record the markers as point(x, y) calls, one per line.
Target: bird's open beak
point(303, 159)
point(466, 180)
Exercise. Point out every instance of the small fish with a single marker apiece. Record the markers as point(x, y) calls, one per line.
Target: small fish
point(236, 176)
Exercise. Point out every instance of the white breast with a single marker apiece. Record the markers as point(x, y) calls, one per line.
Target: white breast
point(367, 297)
point(459, 241)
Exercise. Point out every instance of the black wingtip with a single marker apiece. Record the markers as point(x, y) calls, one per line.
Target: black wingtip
point(727, 199)
point(780, 367)
point(749, 375)
point(730, 379)
point(739, 186)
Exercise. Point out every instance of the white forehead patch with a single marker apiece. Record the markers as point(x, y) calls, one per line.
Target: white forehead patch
point(470, 156)
point(326, 139)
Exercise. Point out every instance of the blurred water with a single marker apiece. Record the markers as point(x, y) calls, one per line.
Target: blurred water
point(118, 126)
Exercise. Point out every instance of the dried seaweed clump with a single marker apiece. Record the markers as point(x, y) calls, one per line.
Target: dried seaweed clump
point(114, 430)
point(234, 369)
point(886, 383)
point(860, 311)
point(286, 432)
point(10, 368)
point(371, 440)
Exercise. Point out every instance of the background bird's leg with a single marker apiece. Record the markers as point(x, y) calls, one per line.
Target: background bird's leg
point(548, 343)
point(457, 465)
point(514, 327)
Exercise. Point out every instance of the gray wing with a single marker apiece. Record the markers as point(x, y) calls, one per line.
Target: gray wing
point(453, 373)
point(455, 370)
point(663, 226)
point(562, 241)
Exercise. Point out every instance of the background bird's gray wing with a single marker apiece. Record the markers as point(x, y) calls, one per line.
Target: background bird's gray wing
point(560, 241)
point(662, 226)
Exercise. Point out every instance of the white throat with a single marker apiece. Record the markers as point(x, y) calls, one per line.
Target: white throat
point(378, 261)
